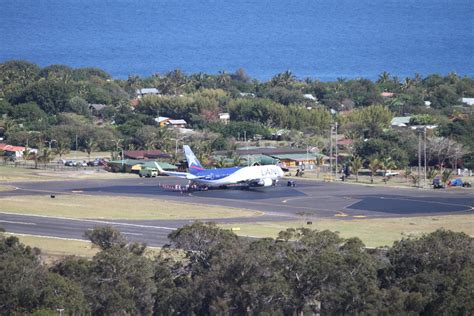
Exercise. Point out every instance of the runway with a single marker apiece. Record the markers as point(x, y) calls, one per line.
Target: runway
point(313, 199)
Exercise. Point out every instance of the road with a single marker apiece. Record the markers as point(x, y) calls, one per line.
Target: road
point(309, 198)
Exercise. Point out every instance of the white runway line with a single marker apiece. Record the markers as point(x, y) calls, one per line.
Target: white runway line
point(19, 223)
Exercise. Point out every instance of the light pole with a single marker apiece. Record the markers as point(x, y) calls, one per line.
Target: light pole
point(419, 158)
point(176, 144)
point(424, 153)
point(50, 142)
point(330, 150)
point(335, 144)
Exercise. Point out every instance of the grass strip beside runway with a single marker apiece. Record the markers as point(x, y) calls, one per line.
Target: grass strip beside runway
point(373, 232)
point(11, 174)
point(126, 208)
point(6, 188)
point(54, 248)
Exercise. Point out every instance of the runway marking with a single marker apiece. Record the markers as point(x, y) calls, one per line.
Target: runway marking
point(19, 223)
point(424, 201)
point(133, 234)
point(92, 221)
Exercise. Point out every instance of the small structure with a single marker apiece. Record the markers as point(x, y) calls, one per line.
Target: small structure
point(247, 95)
point(400, 121)
point(166, 121)
point(310, 97)
point(147, 91)
point(96, 107)
point(12, 151)
point(295, 160)
point(468, 101)
point(144, 154)
point(224, 117)
point(387, 94)
point(135, 165)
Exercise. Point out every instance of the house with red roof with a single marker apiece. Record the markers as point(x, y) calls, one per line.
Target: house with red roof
point(14, 151)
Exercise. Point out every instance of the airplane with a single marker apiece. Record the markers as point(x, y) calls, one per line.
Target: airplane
point(251, 176)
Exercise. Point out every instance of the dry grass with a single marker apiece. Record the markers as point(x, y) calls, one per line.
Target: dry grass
point(54, 248)
point(12, 174)
point(373, 232)
point(6, 187)
point(107, 207)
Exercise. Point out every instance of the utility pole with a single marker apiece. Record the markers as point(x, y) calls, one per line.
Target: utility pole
point(76, 148)
point(335, 143)
point(330, 150)
point(419, 158)
point(424, 149)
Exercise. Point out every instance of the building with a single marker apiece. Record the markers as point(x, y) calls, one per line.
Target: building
point(147, 91)
point(387, 94)
point(144, 154)
point(400, 121)
point(468, 101)
point(287, 156)
point(134, 165)
point(294, 160)
point(166, 121)
point(96, 107)
point(224, 117)
point(12, 151)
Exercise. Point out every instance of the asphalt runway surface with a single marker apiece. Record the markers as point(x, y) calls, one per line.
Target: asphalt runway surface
point(311, 199)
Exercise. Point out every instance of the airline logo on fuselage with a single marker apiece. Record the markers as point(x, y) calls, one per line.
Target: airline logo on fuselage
point(268, 172)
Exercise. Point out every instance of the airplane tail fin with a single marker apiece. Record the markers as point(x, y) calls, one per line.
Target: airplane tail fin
point(193, 163)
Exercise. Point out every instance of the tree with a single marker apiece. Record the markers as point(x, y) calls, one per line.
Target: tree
point(355, 164)
point(446, 174)
point(106, 237)
point(374, 165)
point(90, 145)
point(27, 286)
point(45, 155)
point(372, 119)
point(432, 270)
point(120, 278)
point(386, 164)
point(63, 147)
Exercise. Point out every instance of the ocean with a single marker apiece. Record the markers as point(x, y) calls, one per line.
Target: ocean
point(320, 39)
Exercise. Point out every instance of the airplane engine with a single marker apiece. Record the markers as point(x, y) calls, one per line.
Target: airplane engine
point(265, 182)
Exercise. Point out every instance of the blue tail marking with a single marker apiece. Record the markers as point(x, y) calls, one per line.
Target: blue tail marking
point(193, 163)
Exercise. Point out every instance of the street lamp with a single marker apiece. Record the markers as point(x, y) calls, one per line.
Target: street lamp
point(176, 144)
point(50, 142)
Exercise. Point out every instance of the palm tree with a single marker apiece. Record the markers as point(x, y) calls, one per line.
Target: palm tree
point(356, 164)
point(46, 156)
point(383, 77)
point(446, 175)
point(63, 147)
point(237, 160)
point(386, 164)
point(374, 164)
point(319, 163)
point(89, 146)
point(30, 155)
point(220, 163)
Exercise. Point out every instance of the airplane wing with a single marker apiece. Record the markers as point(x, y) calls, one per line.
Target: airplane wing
point(185, 175)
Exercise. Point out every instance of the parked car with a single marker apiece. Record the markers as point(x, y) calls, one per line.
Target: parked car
point(82, 164)
point(71, 163)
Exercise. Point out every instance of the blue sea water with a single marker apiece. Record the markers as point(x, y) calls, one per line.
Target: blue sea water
point(323, 39)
